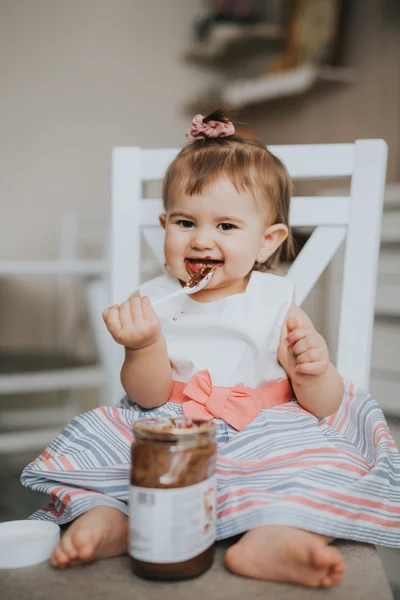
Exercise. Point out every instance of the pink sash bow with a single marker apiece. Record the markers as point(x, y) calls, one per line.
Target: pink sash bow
point(237, 405)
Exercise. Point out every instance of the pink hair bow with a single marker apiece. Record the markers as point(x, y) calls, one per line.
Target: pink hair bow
point(213, 129)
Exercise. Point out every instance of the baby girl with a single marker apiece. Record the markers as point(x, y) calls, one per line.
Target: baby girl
point(302, 458)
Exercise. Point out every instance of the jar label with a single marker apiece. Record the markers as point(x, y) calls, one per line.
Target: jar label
point(172, 525)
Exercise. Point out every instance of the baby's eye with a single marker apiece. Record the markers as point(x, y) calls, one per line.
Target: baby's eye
point(185, 223)
point(226, 226)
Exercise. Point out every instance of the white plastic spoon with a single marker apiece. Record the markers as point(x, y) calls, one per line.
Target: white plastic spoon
point(195, 284)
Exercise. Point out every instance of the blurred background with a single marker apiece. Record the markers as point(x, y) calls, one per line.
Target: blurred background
point(79, 77)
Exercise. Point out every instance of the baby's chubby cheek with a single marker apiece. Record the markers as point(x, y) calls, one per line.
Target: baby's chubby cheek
point(176, 265)
point(239, 265)
point(173, 255)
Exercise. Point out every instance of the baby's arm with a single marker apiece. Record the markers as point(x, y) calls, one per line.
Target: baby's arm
point(146, 373)
point(304, 355)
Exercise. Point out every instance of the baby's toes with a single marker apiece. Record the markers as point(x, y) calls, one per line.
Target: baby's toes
point(85, 545)
point(327, 557)
point(339, 566)
point(331, 578)
point(337, 572)
point(326, 581)
point(58, 558)
point(63, 554)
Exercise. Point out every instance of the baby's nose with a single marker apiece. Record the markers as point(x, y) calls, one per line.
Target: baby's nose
point(202, 240)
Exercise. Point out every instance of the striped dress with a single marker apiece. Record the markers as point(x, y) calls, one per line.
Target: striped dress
point(338, 476)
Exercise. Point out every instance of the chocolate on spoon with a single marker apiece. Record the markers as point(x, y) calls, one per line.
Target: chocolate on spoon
point(199, 277)
point(196, 283)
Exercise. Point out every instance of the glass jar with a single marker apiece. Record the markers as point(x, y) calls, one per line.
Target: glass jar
point(172, 498)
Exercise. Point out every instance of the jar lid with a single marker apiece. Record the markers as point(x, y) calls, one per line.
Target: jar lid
point(27, 543)
point(177, 427)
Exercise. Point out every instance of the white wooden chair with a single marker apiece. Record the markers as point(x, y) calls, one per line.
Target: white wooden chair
point(357, 216)
point(64, 369)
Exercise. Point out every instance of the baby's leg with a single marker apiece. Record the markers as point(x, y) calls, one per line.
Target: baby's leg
point(102, 532)
point(280, 553)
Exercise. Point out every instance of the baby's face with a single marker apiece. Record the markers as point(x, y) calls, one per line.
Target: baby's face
point(220, 226)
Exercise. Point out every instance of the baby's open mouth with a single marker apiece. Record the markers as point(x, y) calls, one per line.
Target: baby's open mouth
point(195, 265)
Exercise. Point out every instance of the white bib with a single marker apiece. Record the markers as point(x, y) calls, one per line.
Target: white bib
point(236, 338)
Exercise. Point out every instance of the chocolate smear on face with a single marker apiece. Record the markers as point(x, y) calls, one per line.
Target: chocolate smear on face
point(197, 277)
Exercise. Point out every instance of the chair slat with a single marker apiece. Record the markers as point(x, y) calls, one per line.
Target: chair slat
point(361, 261)
point(68, 379)
point(306, 161)
point(313, 259)
point(303, 161)
point(312, 211)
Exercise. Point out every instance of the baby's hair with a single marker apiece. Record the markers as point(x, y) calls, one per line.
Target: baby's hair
point(248, 165)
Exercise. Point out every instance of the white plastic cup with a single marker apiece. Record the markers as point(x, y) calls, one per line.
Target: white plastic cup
point(27, 543)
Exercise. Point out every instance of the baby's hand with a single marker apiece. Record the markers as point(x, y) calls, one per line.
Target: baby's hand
point(134, 324)
point(308, 354)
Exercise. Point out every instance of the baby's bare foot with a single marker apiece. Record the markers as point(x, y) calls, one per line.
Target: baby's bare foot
point(279, 553)
point(102, 532)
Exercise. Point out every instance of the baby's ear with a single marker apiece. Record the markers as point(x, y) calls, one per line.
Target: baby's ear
point(274, 236)
point(163, 220)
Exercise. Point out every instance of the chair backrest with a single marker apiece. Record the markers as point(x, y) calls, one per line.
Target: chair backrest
point(358, 216)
